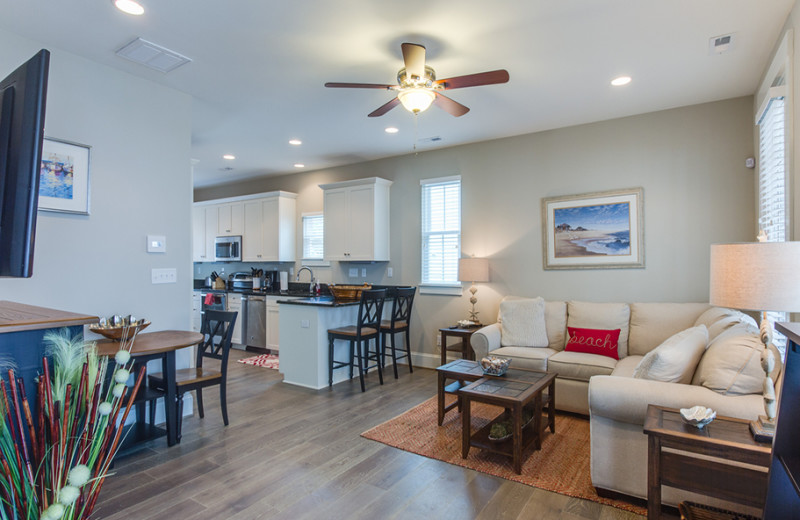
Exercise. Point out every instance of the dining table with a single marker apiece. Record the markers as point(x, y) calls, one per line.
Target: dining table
point(159, 345)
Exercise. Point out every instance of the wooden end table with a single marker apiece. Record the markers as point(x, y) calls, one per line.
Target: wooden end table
point(514, 391)
point(463, 346)
point(726, 439)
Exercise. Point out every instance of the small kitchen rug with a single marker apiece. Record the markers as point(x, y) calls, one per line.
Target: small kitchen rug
point(561, 466)
point(263, 361)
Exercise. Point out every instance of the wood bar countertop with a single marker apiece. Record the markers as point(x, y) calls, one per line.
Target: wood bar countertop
point(15, 317)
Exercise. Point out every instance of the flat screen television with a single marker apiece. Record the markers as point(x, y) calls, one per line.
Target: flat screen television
point(22, 105)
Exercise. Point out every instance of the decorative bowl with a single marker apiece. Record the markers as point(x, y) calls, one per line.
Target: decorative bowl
point(495, 366)
point(119, 328)
point(698, 416)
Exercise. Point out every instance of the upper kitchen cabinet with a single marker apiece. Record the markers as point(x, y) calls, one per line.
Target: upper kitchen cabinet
point(357, 220)
point(231, 219)
point(269, 228)
point(265, 221)
point(204, 230)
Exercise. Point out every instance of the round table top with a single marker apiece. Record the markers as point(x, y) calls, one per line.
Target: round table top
point(148, 343)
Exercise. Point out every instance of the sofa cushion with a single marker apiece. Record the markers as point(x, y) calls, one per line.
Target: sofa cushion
point(731, 364)
point(653, 323)
point(555, 317)
point(526, 357)
point(675, 360)
point(580, 366)
point(523, 323)
point(626, 366)
point(586, 315)
point(593, 341)
point(718, 319)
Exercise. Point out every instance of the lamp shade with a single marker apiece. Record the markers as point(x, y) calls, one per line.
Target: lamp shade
point(758, 276)
point(473, 270)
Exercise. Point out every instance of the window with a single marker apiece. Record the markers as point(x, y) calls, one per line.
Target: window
point(313, 227)
point(441, 234)
point(773, 215)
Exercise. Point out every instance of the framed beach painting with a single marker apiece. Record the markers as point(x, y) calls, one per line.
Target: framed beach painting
point(64, 177)
point(594, 231)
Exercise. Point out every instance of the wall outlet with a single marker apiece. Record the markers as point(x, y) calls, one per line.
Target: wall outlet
point(353, 272)
point(164, 275)
point(363, 272)
point(438, 339)
point(389, 272)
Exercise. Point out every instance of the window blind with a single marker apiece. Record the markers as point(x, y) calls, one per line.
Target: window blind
point(313, 228)
point(441, 230)
point(772, 213)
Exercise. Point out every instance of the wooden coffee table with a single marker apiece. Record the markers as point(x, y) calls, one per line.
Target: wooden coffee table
point(463, 372)
point(513, 391)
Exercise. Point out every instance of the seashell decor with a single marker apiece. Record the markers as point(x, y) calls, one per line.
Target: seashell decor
point(495, 366)
point(698, 416)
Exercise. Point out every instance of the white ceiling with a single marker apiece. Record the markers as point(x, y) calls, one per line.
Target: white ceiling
point(258, 67)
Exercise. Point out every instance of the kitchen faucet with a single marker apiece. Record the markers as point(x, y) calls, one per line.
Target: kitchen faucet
point(311, 283)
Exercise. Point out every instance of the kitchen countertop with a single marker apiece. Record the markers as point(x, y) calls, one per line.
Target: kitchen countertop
point(320, 301)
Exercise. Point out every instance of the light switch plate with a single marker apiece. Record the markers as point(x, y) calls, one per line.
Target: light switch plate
point(353, 272)
point(363, 272)
point(156, 244)
point(169, 275)
point(389, 272)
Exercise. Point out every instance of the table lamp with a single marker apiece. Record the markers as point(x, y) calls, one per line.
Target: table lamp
point(758, 276)
point(473, 270)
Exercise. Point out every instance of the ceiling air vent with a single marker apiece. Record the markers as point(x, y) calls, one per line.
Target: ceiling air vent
point(434, 139)
point(720, 44)
point(151, 55)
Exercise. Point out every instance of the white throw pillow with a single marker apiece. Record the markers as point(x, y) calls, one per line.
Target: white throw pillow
point(675, 360)
point(731, 364)
point(719, 319)
point(522, 323)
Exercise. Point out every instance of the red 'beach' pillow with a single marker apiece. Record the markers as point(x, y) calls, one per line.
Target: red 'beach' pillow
point(593, 341)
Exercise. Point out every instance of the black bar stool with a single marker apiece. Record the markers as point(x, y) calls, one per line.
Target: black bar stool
point(401, 318)
point(368, 328)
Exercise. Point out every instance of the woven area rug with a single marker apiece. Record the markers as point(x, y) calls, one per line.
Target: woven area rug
point(263, 361)
point(561, 466)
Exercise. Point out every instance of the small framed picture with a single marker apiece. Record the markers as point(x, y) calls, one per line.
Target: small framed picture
point(594, 231)
point(64, 177)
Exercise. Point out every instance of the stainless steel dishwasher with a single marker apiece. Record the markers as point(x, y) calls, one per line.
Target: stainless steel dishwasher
point(255, 321)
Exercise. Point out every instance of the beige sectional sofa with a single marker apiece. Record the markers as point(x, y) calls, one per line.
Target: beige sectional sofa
point(702, 354)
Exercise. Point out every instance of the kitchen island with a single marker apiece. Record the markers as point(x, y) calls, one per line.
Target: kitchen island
point(304, 325)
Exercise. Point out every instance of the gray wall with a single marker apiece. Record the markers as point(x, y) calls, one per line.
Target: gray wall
point(690, 162)
point(141, 184)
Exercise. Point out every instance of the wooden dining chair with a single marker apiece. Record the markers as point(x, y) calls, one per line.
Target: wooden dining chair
point(399, 322)
point(370, 309)
point(217, 328)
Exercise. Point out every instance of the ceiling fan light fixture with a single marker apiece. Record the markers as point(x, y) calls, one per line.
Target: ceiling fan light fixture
point(416, 100)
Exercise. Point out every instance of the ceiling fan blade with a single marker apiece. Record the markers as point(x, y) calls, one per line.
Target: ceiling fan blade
point(474, 80)
point(454, 108)
point(414, 58)
point(360, 85)
point(385, 108)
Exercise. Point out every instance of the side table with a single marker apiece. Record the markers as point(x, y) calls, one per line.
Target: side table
point(462, 333)
point(727, 439)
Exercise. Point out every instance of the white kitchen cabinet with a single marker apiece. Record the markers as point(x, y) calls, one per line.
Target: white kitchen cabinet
point(273, 310)
point(357, 220)
point(269, 228)
point(204, 230)
point(235, 305)
point(197, 311)
point(231, 219)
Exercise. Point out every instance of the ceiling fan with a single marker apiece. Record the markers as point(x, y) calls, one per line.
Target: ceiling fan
point(417, 87)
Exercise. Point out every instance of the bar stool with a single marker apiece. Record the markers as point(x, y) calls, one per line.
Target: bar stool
point(370, 309)
point(401, 318)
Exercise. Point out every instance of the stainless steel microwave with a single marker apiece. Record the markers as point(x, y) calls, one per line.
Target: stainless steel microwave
point(228, 249)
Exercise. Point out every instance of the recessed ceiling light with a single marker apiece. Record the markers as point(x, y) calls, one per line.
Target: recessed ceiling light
point(622, 80)
point(299, 165)
point(229, 157)
point(391, 130)
point(129, 6)
point(295, 142)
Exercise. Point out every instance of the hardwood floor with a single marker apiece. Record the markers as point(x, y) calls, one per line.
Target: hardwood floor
point(292, 453)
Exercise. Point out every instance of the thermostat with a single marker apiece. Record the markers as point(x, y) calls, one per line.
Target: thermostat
point(156, 244)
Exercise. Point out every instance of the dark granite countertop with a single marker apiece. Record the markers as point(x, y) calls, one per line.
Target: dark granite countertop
point(320, 301)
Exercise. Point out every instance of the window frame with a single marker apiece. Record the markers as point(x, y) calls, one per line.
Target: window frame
point(453, 288)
